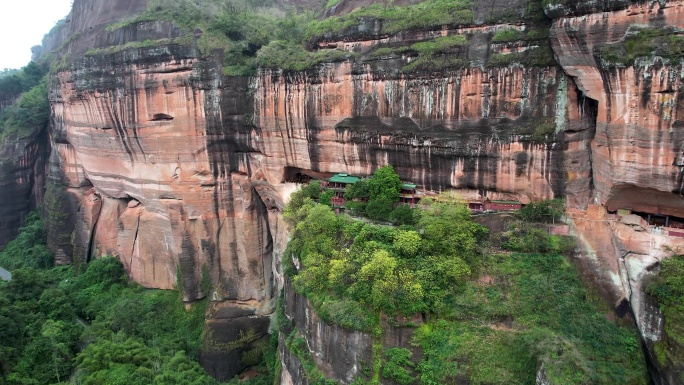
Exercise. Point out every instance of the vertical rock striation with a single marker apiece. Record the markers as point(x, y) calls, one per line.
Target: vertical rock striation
point(636, 153)
point(22, 181)
point(158, 158)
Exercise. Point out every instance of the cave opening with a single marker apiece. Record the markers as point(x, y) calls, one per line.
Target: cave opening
point(161, 117)
point(300, 175)
point(661, 220)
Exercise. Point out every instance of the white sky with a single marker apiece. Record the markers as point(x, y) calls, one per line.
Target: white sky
point(23, 24)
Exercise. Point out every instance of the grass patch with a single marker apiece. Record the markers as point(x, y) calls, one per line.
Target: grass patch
point(294, 57)
point(533, 312)
point(440, 45)
point(643, 43)
point(433, 55)
point(668, 289)
point(541, 56)
point(496, 318)
point(425, 15)
point(507, 35)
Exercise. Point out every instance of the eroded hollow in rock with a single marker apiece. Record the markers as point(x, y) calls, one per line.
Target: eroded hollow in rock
point(161, 117)
point(645, 200)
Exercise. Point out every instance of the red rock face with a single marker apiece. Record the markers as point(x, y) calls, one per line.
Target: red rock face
point(143, 145)
point(186, 181)
point(180, 172)
point(636, 154)
point(462, 130)
point(636, 157)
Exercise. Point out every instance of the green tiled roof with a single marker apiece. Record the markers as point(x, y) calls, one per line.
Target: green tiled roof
point(508, 202)
point(408, 186)
point(344, 178)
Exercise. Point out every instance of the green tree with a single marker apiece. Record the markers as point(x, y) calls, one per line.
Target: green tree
point(399, 366)
point(385, 183)
point(379, 208)
point(407, 243)
point(60, 344)
point(377, 282)
point(29, 248)
point(403, 215)
point(182, 370)
point(312, 189)
point(358, 190)
point(449, 230)
point(326, 197)
point(30, 114)
point(545, 211)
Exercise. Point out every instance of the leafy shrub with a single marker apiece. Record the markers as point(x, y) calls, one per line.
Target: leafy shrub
point(349, 264)
point(668, 289)
point(326, 197)
point(643, 42)
point(379, 208)
point(534, 311)
point(541, 56)
point(358, 190)
point(355, 208)
point(29, 249)
point(546, 211)
point(507, 35)
point(398, 366)
point(292, 56)
point(29, 115)
point(529, 240)
point(440, 44)
point(424, 15)
point(402, 215)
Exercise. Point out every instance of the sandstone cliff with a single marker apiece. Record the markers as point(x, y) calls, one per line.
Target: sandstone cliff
point(159, 158)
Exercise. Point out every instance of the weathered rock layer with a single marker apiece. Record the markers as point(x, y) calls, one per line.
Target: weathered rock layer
point(180, 171)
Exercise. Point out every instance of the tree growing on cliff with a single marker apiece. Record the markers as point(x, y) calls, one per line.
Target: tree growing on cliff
point(546, 211)
point(384, 189)
point(358, 190)
point(326, 198)
point(385, 183)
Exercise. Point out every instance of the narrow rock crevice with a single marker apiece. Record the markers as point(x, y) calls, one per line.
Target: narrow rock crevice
point(135, 239)
point(93, 231)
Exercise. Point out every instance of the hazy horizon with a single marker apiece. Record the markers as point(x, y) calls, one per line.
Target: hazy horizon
point(22, 26)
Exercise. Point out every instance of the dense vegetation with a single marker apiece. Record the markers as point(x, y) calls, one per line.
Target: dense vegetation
point(640, 42)
point(350, 266)
point(668, 289)
point(95, 327)
point(496, 315)
point(376, 197)
point(29, 110)
point(249, 34)
point(260, 34)
point(425, 15)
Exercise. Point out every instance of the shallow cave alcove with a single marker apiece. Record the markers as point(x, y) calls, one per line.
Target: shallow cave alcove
point(161, 117)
